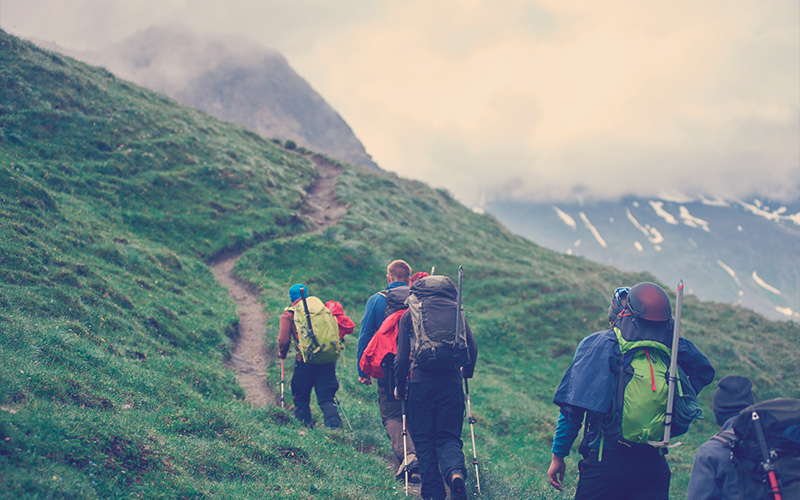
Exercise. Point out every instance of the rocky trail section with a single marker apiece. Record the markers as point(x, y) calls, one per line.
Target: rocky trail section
point(250, 353)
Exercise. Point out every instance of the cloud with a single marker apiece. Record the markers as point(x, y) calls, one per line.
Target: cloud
point(530, 100)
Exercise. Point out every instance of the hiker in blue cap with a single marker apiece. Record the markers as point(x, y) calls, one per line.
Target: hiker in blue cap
point(314, 368)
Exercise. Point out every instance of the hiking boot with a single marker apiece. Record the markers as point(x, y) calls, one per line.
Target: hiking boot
point(458, 489)
point(411, 462)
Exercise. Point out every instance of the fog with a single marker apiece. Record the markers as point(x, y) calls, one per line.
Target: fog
point(536, 100)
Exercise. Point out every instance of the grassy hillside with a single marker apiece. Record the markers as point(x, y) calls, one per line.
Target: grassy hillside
point(114, 199)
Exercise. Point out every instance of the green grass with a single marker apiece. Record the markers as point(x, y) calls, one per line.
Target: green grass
point(114, 333)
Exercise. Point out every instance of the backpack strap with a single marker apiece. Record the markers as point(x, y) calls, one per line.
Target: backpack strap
point(727, 438)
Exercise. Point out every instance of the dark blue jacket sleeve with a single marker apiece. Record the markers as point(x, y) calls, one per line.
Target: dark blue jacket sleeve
point(695, 364)
point(590, 381)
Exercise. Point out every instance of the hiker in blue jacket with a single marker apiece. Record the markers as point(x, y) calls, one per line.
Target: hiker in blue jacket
point(612, 467)
point(398, 275)
point(714, 475)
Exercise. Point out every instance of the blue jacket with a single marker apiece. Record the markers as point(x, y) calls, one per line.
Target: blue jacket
point(372, 320)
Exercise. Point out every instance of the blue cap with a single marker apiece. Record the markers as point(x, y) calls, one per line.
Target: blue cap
point(294, 292)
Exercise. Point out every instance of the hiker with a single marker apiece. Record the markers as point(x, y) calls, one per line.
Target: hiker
point(714, 476)
point(318, 373)
point(398, 274)
point(618, 463)
point(435, 398)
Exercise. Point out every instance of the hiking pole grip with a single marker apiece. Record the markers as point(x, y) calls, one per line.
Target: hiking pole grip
point(767, 463)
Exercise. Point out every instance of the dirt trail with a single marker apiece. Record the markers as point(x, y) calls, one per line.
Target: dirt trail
point(250, 353)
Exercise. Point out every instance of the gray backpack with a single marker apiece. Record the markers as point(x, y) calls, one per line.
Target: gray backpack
point(436, 344)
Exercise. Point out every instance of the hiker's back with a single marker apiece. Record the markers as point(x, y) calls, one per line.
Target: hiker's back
point(437, 345)
point(321, 344)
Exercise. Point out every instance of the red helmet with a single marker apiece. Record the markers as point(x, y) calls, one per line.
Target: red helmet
point(649, 301)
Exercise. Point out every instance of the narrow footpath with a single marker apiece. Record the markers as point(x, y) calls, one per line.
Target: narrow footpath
point(250, 354)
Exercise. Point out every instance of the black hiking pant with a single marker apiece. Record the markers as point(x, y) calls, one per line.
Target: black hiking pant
point(321, 378)
point(435, 417)
point(635, 474)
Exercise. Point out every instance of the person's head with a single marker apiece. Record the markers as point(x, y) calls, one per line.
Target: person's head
point(649, 301)
point(734, 394)
point(294, 292)
point(618, 303)
point(398, 270)
point(418, 275)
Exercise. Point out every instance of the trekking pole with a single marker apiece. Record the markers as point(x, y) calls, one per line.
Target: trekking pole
point(283, 401)
point(405, 446)
point(315, 346)
point(459, 326)
point(673, 372)
point(339, 405)
point(472, 432)
point(767, 464)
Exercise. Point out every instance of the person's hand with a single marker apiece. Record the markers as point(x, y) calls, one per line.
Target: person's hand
point(366, 380)
point(555, 474)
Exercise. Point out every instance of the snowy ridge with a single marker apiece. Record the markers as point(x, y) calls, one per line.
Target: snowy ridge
point(764, 285)
point(652, 234)
point(693, 221)
point(758, 208)
point(593, 230)
point(565, 217)
point(658, 208)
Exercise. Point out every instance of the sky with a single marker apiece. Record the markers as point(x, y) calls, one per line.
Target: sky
point(541, 100)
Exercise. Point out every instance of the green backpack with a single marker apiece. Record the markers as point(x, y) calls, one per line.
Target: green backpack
point(324, 345)
point(644, 396)
point(643, 391)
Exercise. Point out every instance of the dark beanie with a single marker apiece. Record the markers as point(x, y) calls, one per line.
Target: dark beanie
point(294, 292)
point(734, 394)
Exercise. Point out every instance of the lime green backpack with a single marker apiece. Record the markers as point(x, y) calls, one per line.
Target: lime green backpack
point(644, 397)
point(321, 345)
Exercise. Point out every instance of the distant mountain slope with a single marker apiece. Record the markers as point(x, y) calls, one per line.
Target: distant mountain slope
point(234, 79)
point(733, 251)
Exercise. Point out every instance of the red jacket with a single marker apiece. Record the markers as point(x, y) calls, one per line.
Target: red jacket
point(383, 342)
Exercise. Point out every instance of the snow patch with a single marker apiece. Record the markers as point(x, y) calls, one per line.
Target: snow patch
point(577, 243)
point(739, 228)
point(652, 234)
point(717, 202)
point(565, 218)
point(763, 284)
point(593, 230)
point(729, 271)
point(692, 221)
point(478, 210)
point(758, 208)
point(787, 311)
point(658, 208)
point(638, 246)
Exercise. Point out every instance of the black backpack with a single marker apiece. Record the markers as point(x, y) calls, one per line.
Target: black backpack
point(395, 299)
point(766, 449)
point(436, 345)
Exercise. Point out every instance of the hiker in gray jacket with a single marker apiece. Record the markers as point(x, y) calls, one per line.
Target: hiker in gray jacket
point(714, 476)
